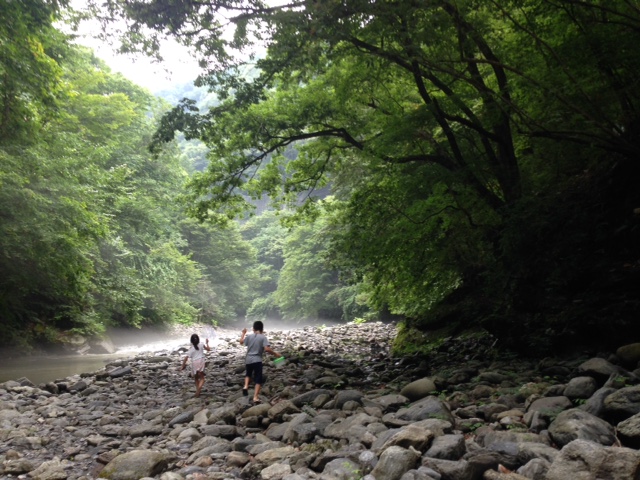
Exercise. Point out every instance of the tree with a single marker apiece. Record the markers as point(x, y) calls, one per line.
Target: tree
point(437, 123)
point(267, 236)
point(227, 263)
point(306, 282)
point(30, 48)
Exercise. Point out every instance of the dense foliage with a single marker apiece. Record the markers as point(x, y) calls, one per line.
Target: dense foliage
point(92, 233)
point(480, 152)
point(469, 163)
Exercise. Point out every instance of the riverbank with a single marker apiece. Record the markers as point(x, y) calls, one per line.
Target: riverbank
point(341, 408)
point(42, 366)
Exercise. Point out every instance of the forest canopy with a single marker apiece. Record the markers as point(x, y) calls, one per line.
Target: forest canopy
point(469, 163)
point(480, 154)
point(92, 232)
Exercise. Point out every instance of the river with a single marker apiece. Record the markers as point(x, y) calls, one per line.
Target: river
point(47, 368)
point(128, 342)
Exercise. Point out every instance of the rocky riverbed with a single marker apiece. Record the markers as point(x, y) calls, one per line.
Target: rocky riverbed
point(341, 408)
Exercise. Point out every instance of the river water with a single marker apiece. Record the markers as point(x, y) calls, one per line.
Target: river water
point(128, 342)
point(47, 368)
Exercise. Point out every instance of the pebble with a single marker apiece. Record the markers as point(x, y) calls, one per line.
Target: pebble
point(341, 408)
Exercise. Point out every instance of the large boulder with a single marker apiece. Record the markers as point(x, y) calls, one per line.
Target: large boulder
point(429, 407)
point(629, 355)
point(394, 462)
point(623, 403)
point(581, 459)
point(577, 424)
point(418, 389)
point(136, 464)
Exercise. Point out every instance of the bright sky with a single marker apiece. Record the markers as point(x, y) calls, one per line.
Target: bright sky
point(178, 67)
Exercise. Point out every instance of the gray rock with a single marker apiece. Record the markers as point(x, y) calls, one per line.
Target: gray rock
point(577, 424)
point(342, 469)
point(629, 431)
point(390, 402)
point(309, 397)
point(418, 389)
point(410, 437)
point(276, 471)
point(280, 409)
point(587, 460)
point(344, 396)
point(145, 429)
point(595, 404)
point(350, 427)
point(580, 387)
point(136, 464)
point(629, 355)
point(50, 470)
point(447, 447)
point(550, 407)
point(17, 466)
point(274, 455)
point(535, 469)
point(394, 462)
point(449, 469)
point(429, 407)
point(623, 403)
point(598, 368)
point(184, 417)
point(120, 372)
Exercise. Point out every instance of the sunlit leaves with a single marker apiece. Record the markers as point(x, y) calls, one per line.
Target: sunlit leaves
point(432, 123)
point(306, 281)
point(29, 71)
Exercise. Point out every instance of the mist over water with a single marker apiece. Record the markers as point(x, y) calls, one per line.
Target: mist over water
point(129, 342)
point(277, 324)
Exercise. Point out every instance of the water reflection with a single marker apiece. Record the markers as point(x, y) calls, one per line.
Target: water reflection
point(42, 369)
point(46, 369)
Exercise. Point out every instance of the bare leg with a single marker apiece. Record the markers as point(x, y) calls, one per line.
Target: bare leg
point(199, 382)
point(245, 389)
point(256, 394)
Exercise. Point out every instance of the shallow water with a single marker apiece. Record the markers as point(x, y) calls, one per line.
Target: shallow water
point(42, 369)
point(129, 342)
point(49, 368)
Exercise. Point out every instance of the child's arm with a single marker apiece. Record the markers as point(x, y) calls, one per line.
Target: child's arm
point(270, 350)
point(244, 332)
point(206, 346)
point(184, 363)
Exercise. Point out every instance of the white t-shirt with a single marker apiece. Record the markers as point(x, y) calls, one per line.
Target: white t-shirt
point(198, 360)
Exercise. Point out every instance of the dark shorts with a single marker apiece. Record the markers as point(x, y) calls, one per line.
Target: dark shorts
point(255, 370)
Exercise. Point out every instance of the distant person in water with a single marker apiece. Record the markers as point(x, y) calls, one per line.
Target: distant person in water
point(256, 344)
point(196, 354)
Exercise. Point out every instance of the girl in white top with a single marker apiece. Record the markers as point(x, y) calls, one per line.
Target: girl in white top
point(196, 354)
